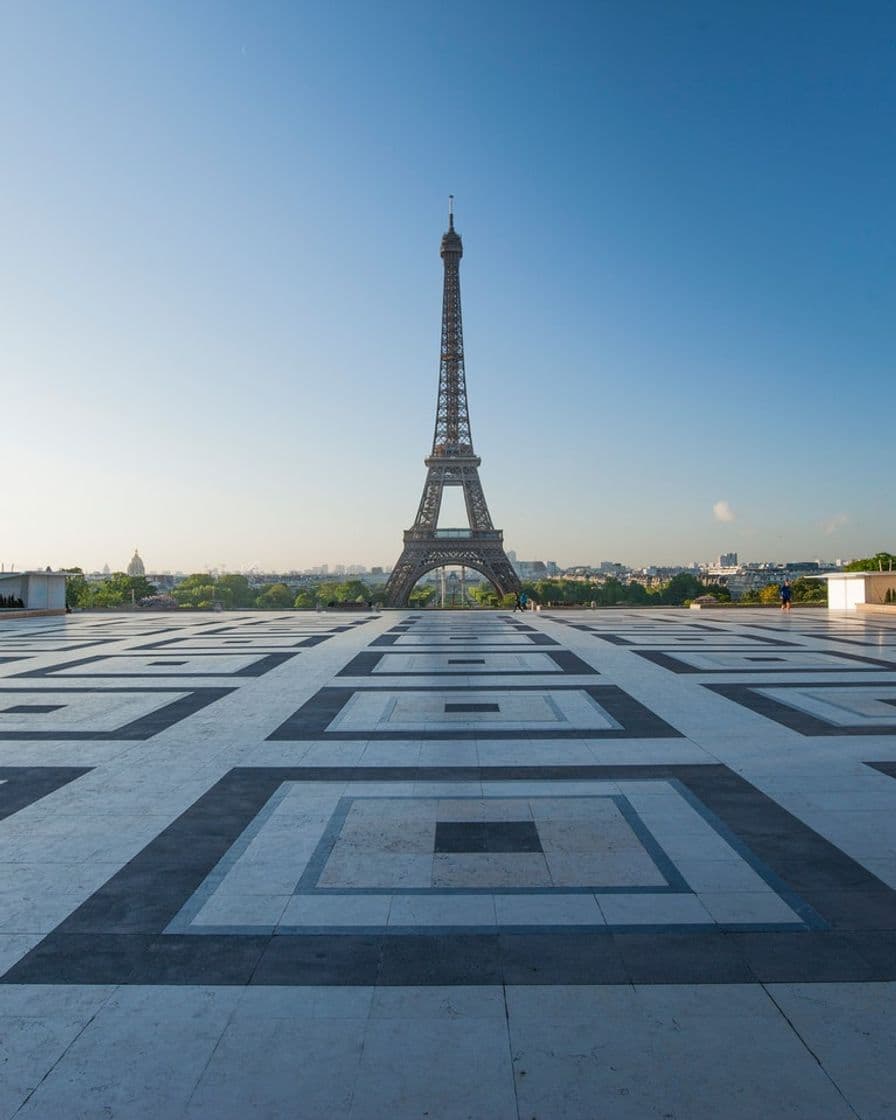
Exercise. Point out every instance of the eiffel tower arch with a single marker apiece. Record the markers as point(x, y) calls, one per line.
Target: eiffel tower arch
point(452, 462)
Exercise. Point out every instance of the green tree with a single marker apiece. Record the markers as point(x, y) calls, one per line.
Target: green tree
point(197, 590)
point(809, 590)
point(680, 587)
point(483, 594)
point(637, 595)
point(119, 590)
point(77, 589)
point(881, 561)
point(771, 593)
point(276, 596)
point(421, 596)
point(306, 598)
point(105, 595)
point(234, 590)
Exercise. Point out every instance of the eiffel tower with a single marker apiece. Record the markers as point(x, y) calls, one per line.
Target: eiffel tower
point(451, 463)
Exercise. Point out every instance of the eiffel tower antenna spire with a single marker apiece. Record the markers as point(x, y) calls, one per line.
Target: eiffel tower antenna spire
point(452, 462)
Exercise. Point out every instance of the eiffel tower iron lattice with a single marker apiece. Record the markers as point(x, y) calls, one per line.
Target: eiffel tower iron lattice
point(452, 463)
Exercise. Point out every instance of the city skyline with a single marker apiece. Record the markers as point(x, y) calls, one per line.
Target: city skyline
point(329, 569)
point(221, 297)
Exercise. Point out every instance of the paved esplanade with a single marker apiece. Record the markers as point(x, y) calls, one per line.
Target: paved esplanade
point(582, 864)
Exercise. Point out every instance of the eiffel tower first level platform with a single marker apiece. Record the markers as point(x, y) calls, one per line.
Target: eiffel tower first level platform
point(452, 462)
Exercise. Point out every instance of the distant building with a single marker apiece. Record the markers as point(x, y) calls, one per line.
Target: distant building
point(728, 560)
point(135, 568)
point(530, 569)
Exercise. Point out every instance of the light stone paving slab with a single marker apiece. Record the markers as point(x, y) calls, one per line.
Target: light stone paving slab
point(851, 1030)
point(643, 1060)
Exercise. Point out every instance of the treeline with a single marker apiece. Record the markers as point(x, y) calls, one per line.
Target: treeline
point(117, 590)
point(681, 589)
point(880, 562)
point(202, 591)
point(803, 590)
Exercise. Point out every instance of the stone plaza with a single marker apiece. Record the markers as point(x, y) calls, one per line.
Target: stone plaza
point(434, 864)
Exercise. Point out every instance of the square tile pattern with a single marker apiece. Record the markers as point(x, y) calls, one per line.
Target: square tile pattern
point(609, 856)
point(289, 876)
point(476, 712)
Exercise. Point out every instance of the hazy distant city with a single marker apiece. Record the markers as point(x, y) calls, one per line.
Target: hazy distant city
point(726, 571)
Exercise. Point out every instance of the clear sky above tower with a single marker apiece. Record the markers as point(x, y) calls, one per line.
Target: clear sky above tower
point(220, 290)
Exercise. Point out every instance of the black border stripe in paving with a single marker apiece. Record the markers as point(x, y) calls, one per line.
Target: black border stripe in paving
point(302, 643)
point(23, 785)
point(666, 659)
point(695, 642)
point(263, 663)
point(888, 768)
point(364, 664)
point(537, 638)
point(54, 647)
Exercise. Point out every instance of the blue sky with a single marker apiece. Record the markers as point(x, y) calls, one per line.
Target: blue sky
point(220, 290)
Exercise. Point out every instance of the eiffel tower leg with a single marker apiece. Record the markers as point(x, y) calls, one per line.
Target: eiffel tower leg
point(421, 557)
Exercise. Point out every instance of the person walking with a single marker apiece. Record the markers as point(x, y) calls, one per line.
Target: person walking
point(786, 596)
point(524, 601)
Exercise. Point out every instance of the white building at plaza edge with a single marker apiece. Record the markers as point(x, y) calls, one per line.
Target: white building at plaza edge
point(39, 591)
point(849, 591)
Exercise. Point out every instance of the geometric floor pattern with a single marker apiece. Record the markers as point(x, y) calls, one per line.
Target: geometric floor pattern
point(448, 864)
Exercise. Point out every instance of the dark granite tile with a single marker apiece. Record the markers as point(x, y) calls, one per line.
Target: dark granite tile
point(173, 959)
point(336, 960)
point(431, 959)
point(81, 958)
point(472, 708)
point(486, 836)
point(803, 956)
point(687, 957)
point(564, 958)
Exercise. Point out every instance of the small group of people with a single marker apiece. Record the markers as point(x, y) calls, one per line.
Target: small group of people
point(522, 602)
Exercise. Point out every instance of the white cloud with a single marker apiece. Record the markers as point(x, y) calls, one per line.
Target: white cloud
point(722, 511)
point(834, 523)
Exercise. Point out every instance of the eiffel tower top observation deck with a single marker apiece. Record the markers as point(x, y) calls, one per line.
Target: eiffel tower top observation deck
point(452, 462)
